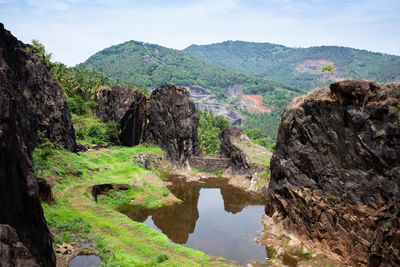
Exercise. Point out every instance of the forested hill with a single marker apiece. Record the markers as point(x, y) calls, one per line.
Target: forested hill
point(299, 66)
point(152, 65)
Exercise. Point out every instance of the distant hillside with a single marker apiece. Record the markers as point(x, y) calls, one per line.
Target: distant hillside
point(298, 66)
point(152, 65)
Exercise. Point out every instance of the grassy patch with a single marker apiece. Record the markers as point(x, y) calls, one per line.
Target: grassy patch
point(119, 240)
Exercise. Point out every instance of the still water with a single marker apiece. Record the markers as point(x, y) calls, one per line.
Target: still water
point(214, 217)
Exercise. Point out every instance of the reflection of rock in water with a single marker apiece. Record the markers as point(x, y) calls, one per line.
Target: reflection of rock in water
point(179, 220)
point(235, 199)
point(176, 221)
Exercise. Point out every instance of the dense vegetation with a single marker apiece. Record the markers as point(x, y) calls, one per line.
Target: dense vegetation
point(152, 65)
point(210, 127)
point(278, 63)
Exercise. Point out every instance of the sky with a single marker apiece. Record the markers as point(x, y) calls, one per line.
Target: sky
point(73, 30)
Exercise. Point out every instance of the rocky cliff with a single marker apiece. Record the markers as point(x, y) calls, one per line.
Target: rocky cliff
point(30, 101)
point(127, 108)
point(41, 105)
point(172, 122)
point(335, 173)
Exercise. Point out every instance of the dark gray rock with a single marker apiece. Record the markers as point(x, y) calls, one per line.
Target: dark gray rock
point(30, 101)
point(335, 172)
point(172, 123)
point(127, 108)
point(239, 159)
point(12, 251)
point(39, 100)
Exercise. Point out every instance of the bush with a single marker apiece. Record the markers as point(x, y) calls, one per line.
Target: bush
point(162, 258)
point(76, 104)
point(111, 131)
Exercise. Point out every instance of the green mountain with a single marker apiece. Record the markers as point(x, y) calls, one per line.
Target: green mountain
point(152, 65)
point(299, 66)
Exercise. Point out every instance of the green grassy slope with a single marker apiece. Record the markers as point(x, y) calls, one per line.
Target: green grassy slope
point(278, 63)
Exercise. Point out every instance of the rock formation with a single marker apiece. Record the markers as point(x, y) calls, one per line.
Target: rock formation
point(238, 158)
point(335, 173)
point(12, 251)
point(127, 108)
point(172, 122)
point(30, 101)
point(40, 103)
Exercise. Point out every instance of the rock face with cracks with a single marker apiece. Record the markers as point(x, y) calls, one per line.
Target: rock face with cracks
point(40, 102)
point(172, 122)
point(335, 173)
point(127, 108)
point(30, 101)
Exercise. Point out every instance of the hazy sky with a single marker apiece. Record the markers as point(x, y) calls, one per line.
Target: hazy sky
point(73, 30)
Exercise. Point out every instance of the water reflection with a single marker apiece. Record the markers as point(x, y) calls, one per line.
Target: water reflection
point(214, 217)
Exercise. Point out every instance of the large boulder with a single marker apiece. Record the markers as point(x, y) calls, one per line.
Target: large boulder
point(39, 100)
point(335, 172)
point(172, 122)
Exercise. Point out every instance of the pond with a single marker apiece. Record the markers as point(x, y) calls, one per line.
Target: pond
point(214, 217)
point(85, 261)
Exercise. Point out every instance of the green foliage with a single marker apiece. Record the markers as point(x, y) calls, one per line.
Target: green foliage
point(90, 130)
point(152, 65)
point(328, 69)
point(259, 138)
point(210, 127)
point(76, 104)
point(387, 225)
point(40, 50)
point(41, 154)
point(161, 258)
point(278, 63)
point(111, 131)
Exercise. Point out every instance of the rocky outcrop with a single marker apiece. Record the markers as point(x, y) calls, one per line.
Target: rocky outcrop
point(335, 173)
point(12, 251)
point(204, 99)
point(30, 101)
point(40, 102)
point(238, 158)
point(133, 124)
point(126, 107)
point(172, 122)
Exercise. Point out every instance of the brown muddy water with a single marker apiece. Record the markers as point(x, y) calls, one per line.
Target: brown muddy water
point(214, 217)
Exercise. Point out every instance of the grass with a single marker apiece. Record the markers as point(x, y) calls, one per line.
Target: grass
point(119, 240)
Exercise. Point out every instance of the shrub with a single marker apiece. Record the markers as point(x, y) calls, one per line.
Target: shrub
point(111, 131)
point(76, 104)
point(162, 258)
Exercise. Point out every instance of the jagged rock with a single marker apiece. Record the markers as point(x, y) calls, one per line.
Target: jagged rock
point(30, 100)
point(335, 172)
point(229, 150)
point(172, 122)
point(39, 99)
point(113, 103)
point(127, 108)
point(133, 123)
point(12, 251)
